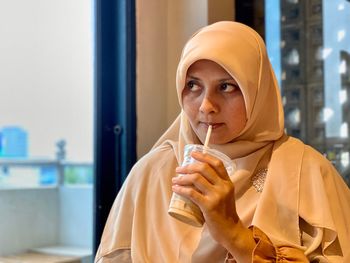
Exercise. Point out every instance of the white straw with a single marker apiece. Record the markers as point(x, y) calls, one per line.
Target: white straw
point(207, 137)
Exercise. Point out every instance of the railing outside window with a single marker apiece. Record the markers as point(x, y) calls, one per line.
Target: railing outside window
point(24, 173)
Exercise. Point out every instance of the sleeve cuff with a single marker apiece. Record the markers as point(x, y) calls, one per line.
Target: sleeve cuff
point(266, 252)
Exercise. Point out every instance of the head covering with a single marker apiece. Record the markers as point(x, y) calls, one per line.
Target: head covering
point(242, 53)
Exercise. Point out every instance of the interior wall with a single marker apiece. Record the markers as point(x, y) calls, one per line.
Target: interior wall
point(184, 19)
point(163, 27)
point(221, 10)
point(151, 72)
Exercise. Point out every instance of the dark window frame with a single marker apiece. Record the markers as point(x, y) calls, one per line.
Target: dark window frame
point(114, 102)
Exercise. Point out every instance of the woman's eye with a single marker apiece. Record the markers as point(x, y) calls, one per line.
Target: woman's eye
point(192, 86)
point(228, 87)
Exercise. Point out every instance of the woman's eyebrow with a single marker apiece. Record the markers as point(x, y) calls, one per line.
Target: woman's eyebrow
point(223, 79)
point(227, 79)
point(193, 77)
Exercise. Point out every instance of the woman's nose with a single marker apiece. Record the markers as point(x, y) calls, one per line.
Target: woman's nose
point(208, 105)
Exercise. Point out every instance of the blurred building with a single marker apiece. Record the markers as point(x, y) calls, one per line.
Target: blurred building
point(14, 142)
point(315, 76)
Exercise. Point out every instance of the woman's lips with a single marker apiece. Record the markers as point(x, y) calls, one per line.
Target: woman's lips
point(214, 125)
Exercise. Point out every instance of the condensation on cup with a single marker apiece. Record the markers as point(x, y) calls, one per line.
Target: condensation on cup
point(184, 209)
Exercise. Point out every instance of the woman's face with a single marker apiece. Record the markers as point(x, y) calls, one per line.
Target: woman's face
point(212, 97)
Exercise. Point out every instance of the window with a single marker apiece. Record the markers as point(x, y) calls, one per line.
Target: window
point(46, 127)
point(309, 47)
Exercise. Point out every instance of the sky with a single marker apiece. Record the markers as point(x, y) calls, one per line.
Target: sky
point(46, 74)
point(336, 37)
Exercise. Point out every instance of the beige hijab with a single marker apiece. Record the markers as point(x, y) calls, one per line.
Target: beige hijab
point(289, 191)
point(241, 52)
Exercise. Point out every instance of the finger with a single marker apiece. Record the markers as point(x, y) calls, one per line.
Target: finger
point(194, 179)
point(189, 192)
point(202, 168)
point(213, 162)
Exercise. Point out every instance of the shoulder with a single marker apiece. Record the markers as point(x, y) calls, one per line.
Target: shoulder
point(311, 162)
point(314, 160)
point(160, 155)
point(309, 155)
point(312, 156)
point(315, 166)
point(159, 161)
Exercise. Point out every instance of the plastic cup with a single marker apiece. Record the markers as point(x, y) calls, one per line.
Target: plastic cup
point(184, 209)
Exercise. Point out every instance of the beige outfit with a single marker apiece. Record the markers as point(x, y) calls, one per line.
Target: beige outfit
point(304, 208)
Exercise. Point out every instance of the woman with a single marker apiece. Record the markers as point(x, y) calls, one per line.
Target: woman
point(284, 203)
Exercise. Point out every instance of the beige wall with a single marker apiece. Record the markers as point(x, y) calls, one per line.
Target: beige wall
point(184, 18)
point(220, 10)
point(163, 27)
point(151, 72)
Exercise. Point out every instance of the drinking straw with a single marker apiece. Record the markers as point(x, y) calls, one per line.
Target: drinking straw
point(207, 137)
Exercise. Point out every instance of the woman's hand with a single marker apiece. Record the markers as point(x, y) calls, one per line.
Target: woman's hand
point(208, 185)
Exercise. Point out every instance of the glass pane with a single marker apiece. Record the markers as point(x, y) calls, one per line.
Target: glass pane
point(309, 46)
point(46, 129)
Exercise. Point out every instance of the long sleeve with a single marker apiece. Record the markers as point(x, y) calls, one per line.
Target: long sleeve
point(266, 252)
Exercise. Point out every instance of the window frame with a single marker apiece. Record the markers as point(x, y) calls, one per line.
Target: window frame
point(115, 104)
